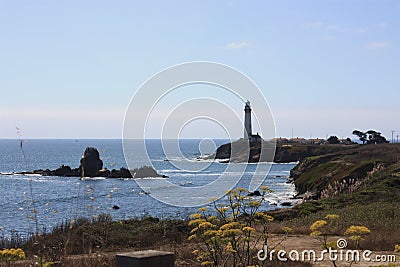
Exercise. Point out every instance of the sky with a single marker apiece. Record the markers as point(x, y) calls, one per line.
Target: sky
point(68, 69)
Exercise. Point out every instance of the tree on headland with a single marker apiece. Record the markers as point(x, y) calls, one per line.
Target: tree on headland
point(333, 140)
point(362, 136)
point(370, 137)
point(375, 138)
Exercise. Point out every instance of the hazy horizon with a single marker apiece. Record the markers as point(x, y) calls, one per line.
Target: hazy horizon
point(69, 69)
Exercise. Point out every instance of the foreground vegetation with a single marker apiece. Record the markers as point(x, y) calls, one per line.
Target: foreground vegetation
point(95, 242)
point(102, 234)
point(358, 185)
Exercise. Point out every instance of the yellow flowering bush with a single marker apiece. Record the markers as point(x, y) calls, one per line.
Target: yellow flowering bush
point(317, 225)
point(320, 229)
point(356, 233)
point(12, 254)
point(332, 217)
point(196, 216)
point(357, 230)
point(196, 222)
point(396, 248)
point(262, 217)
point(229, 234)
point(248, 229)
point(205, 225)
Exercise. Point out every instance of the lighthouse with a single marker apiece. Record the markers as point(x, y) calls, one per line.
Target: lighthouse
point(248, 132)
point(247, 121)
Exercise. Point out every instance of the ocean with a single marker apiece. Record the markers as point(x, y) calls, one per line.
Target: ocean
point(58, 199)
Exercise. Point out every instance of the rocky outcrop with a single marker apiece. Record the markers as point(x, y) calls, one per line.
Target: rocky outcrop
point(66, 171)
point(345, 170)
point(244, 151)
point(91, 163)
point(254, 194)
point(92, 166)
point(145, 171)
point(121, 173)
point(62, 171)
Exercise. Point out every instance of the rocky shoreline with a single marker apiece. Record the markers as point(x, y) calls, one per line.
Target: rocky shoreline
point(322, 170)
point(92, 166)
point(122, 173)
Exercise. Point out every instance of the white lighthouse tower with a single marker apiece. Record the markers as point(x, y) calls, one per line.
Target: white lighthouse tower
point(247, 122)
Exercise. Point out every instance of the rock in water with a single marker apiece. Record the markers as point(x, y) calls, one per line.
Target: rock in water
point(92, 166)
point(254, 194)
point(144, 172)
point(90, 162)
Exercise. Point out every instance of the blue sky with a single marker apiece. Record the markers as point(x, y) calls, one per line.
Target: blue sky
point(68, 69)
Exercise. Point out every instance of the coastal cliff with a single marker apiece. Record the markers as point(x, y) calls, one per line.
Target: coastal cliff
point(346, 179)
point(328, 170)
point(348, 171)
point(244, 151)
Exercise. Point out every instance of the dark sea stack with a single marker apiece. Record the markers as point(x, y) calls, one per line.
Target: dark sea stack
point(144, 172)
point(104, 173)
point(254, 194)
point(91, 162)
point(62, 171)
point(121, 173)
point(66, 171)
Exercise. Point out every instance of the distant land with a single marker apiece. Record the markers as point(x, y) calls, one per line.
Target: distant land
point(286, 151)
point(253, 148)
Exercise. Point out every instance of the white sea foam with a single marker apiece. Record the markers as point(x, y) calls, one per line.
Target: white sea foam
point(181, 171)
point(150, 178)
point(94, 178)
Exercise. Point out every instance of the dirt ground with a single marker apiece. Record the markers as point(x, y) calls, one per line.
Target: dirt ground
point(304, 242)
point(183, 251)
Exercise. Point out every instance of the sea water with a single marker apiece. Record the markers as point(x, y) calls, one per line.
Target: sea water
point(57, 199)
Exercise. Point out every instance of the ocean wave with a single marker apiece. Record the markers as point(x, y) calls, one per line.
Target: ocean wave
point(93, 178)
point(150, 178)
point(193, 174)
point(7, 173)
point(185, 173)
point(182, 171)
point(187, 183)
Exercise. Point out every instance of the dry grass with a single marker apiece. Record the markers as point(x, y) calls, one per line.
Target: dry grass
point(183, 258)
point(381, 218)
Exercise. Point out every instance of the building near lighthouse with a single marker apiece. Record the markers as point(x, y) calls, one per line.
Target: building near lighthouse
point(248, 132)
